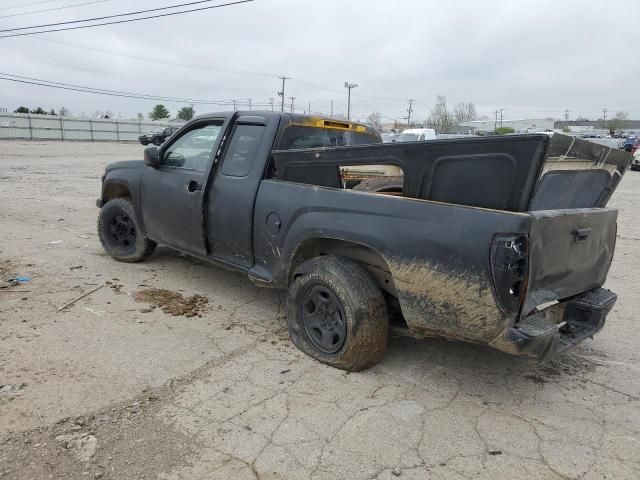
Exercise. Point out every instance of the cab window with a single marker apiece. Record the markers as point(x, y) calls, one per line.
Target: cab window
point(193, 149)
point(296, 136)
point(242, 150)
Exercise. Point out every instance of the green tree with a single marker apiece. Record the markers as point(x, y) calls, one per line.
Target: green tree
point(503, 130)
point(186, 113)
point(159, 112)
point(566, 129)
point(39, 111)
point(21, 109)
point(52, 112)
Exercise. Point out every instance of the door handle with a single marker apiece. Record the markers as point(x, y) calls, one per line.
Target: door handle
point(580, 234)
point(193, 186)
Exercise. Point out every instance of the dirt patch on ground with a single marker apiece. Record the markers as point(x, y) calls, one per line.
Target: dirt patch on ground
point(173, 303)
point(123, 441)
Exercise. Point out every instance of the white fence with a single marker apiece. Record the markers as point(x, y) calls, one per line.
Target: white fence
point(52, 127)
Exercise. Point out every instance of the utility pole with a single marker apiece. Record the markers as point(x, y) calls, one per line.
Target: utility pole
point(495, 123)
point(566, 115)
point(604, 117)
point(281, 93)
point(234, 105)
point(332, 108)
point(271, 103)
point(249, 99)
point(501, 110)
point(409, 111)
point(349, 86)
point(292, 107)
point(309, 111)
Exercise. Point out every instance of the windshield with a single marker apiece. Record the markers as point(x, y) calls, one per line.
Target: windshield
point(407, 137)
point(296, 136)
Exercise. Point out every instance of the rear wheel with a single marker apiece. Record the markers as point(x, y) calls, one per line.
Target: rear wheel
point(337, 314)
point(120, 232)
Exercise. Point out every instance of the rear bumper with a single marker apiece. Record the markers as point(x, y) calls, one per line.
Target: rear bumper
point(559, 328)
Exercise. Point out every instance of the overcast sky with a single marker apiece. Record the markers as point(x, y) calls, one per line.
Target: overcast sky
point(533, 58)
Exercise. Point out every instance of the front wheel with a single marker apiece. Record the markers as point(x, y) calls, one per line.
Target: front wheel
point(120, 232)
point(337, 314)
point(157, 142)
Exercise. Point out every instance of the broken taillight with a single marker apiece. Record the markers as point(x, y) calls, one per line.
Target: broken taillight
point(509, 268)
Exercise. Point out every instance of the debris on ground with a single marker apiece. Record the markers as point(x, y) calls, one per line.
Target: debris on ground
point(83, 445)
point(72, 302)
point(173, 303)
point(19, 279)
point(12, 390)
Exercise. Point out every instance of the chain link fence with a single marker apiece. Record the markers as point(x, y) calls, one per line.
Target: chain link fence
point(20, 126)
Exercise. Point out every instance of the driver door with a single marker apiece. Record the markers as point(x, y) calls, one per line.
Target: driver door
point(172, 192)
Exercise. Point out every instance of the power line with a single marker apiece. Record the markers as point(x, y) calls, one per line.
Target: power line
point(119, 93)
point(52, 9)
point(27, 4)
point(124, 21)
point(101, 91)
point(154, 59)
point(93, 19)
point(123, 75)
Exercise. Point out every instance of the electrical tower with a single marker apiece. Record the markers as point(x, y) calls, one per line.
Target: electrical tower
point(409, 111)
point(281, 93)
point(349, 86)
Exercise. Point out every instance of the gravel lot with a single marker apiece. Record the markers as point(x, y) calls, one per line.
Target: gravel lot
point(114, 388)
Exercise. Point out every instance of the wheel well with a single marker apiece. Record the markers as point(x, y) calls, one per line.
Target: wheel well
point(371, 260)
point(115, 190)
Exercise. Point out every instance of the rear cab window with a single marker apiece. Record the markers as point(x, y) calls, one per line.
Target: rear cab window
point(242, 149)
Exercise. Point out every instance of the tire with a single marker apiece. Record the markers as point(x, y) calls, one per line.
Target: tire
point(381, 185)
point(337, 292)
point(120, 233)
point(157, 142)
point(144, 142)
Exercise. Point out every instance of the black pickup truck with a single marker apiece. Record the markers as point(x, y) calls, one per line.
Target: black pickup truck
point(504, 241)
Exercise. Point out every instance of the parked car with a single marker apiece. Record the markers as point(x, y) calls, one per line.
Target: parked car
point(157, 137)
point(416, 135)
point(388, 137)
point(477, 246)
point(635, 165)
point(630, 143)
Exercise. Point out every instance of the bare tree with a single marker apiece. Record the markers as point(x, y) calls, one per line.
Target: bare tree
point(440, 119)
point(464, 112)
point(140, 116)
point(375, 120)
point(617, 121)
point(64, 112)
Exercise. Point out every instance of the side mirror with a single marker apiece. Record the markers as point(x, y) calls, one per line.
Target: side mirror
point(151, 156)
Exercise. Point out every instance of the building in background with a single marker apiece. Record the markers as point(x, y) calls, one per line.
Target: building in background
point(526, 125)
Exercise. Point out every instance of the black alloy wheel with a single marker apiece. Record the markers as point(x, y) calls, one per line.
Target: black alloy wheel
point(324, 319)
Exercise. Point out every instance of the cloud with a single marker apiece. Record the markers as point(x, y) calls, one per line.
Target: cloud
point(533, 58)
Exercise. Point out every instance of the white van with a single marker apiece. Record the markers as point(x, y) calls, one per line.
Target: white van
point(416, 135)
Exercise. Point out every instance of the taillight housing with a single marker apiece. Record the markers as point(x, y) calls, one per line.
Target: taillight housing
point(509, 268)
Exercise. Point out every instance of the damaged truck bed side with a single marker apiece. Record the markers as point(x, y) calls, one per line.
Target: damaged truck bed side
point(504, 241)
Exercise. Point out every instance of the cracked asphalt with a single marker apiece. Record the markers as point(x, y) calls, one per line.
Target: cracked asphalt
point(111, 388)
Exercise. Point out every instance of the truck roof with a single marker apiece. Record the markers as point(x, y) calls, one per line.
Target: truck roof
point(317, 121)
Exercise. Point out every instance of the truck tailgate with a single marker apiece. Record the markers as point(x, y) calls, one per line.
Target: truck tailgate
point(570, 252)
